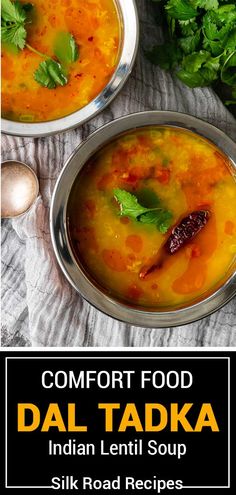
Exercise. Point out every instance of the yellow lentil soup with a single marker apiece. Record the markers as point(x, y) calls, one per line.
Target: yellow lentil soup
point(95, 27)
point(184, 173)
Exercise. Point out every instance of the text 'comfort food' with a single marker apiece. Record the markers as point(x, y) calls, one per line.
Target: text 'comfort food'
point(152, 217)
point(57, 56)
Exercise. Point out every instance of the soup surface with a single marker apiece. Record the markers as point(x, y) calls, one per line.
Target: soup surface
point(177, 170)
point(94, 24)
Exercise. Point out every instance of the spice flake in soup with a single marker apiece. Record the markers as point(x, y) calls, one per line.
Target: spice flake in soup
point(152, 217)
point(65, 54)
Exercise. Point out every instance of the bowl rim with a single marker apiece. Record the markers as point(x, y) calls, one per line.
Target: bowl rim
point(127, 11)
point(58, 225)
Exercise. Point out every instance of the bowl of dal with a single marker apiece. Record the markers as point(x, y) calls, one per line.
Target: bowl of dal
point(73, 60)
point(143, 219)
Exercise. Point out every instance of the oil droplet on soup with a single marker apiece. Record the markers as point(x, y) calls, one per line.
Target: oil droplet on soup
point(96, 29)
point(187, 173)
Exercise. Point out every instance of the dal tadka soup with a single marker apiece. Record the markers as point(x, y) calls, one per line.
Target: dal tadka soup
point(83, 37)
point(152, 218)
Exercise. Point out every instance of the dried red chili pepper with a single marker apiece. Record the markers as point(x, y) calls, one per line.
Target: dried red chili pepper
point(183, 233)
point(186, 230)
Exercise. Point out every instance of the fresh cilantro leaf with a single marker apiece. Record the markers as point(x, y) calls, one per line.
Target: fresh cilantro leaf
point(189, 44)
point(165, 221)
point(66, 49)
point(150, 217)
point(16, 35)
point(213, 64)
point(188, 28)
point(202, 77)
point(13, 19)
point(181, 9)
point(130, 207)
point(215, 47)
point(162, 219)
point(12, 11)
point(199, 69)
point(191, 79)
point(49, 74)
point(230, 42)
point(217, 24)
point(226, 14)
point(228, 73)
point(206, 4)
point(193, 62)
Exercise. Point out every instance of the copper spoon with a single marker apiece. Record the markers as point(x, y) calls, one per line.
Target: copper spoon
point(19, 188)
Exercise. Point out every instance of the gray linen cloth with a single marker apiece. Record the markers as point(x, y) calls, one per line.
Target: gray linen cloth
point(38, 305)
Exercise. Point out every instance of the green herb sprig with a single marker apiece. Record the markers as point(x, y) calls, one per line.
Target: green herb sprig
point(13, 20)
point(130, 207)
point(201, 44)
point(50, 73)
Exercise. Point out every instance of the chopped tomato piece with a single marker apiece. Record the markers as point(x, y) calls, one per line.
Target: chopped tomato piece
point(129, 178)
point(163, 176)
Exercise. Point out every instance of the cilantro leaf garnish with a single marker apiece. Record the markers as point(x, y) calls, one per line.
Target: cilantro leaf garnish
point(13, 18)
point(49, 74)
point(12, 12)
point(162, 219)
point(66, 49)
point(130, 207)
point(16, 35)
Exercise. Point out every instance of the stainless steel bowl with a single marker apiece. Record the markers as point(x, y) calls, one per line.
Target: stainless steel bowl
point(129, 44)
point(58, 224)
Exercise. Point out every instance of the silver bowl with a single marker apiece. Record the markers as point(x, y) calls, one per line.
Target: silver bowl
point(58, 223)
point(129, 44)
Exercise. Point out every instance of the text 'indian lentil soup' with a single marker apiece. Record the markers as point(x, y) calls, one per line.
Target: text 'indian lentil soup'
point(82, 36)
point(152, 217)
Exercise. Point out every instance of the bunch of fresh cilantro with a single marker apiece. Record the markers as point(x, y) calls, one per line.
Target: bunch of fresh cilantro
point(50, 73)
point(201, 42)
